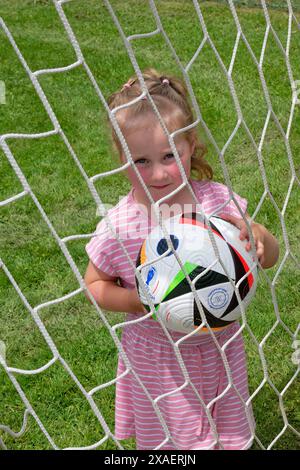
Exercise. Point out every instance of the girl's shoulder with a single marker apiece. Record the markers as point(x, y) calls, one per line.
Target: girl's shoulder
point(118, 215)
point(217, 197)
point(124, 207)
point(124, 203)
point(205, 188)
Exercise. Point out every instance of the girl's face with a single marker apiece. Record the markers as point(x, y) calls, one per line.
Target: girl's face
point(154, 159)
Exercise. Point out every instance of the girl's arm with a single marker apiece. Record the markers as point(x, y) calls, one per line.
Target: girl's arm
point(267, 247)
point(108, 294)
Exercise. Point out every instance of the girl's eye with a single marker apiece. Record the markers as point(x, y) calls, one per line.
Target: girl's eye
point(169, 156)
point(140, 161)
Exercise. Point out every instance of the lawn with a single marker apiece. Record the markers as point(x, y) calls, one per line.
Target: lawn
point(36, 262)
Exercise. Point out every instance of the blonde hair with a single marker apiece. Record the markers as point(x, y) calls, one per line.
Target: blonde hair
point(171, 98)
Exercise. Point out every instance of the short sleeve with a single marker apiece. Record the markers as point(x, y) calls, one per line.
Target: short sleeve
point(232, 207)
point(219, 200)
point(100, 247)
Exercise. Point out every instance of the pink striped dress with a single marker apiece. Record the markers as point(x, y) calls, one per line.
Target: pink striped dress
point(182, 421)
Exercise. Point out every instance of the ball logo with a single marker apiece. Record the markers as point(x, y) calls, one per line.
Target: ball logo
point(151, 281)
point(150, 275)
point(218, 298)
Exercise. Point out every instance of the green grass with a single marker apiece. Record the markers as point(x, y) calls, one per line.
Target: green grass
point(31, 254)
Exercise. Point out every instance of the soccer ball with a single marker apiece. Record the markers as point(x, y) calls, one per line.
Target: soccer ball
point(166, 284)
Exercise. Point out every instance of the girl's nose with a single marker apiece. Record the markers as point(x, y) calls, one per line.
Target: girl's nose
point(159, 173)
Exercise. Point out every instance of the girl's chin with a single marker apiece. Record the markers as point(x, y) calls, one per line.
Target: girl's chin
point(157, 193)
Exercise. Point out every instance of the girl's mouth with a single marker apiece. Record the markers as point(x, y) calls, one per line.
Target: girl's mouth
point(160, 187)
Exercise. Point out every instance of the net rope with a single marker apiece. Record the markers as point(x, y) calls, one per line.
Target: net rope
point(35, 311)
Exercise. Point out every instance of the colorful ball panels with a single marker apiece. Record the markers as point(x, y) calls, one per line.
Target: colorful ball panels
point(213, 279)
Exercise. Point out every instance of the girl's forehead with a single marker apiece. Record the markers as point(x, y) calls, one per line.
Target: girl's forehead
point(150, 125)
point(151, 136)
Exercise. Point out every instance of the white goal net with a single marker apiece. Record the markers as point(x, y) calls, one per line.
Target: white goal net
point(255, 146)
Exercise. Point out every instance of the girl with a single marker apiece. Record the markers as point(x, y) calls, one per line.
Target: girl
point(111, 280)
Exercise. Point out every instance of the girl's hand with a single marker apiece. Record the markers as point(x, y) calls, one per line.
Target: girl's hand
point(258, 232)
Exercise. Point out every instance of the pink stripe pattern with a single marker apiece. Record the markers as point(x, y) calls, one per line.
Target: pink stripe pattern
point(152, 355)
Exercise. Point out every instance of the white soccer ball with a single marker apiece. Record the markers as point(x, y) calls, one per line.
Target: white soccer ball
point(214, 281)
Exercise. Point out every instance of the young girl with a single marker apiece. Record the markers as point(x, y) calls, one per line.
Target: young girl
point(111, 280)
